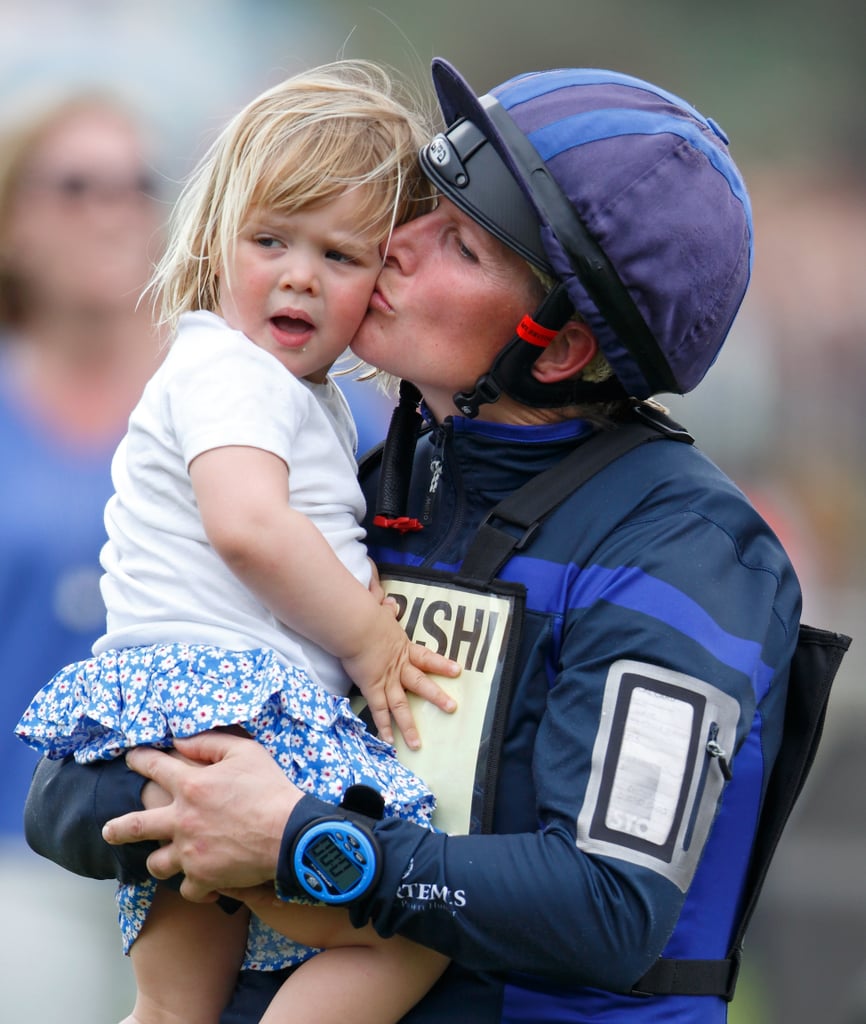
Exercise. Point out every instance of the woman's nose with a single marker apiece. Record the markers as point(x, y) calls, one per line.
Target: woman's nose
point(402, 248)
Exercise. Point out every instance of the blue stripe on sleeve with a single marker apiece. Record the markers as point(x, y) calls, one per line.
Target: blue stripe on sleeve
point(633, 590)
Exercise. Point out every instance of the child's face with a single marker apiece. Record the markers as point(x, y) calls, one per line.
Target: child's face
point(298, 285)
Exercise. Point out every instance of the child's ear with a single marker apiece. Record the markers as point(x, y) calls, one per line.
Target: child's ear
point(566, 355)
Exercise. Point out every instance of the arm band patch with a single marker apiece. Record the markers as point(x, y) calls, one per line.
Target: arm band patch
point(655, 779)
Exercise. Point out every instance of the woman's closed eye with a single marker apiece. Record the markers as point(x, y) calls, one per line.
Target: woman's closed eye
point(464, 250)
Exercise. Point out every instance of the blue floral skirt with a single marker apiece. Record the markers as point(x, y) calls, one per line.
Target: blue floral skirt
point(99, 708)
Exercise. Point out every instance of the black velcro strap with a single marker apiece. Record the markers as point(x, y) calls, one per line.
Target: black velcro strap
point(690, 978)
point(492, 549)
point(398, 453)
point(363, 801)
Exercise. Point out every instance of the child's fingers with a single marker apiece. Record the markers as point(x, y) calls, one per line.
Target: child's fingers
point(398, 705)
point(381, 715)
point(430, 661)
point(428, 689)
point(422, 685)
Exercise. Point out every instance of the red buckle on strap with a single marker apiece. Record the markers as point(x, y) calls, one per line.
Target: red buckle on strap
point(403, 524)
point(532, 331)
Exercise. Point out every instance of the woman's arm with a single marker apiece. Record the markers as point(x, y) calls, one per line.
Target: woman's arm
point(592, 902)
point(67, 806)
point(233, 819)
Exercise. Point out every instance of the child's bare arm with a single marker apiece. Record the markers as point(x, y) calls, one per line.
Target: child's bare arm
point(242, 494)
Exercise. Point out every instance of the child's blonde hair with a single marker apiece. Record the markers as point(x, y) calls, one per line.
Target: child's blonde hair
point(302, 143)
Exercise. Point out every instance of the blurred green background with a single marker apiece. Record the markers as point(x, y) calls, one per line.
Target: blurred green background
point(782, 411)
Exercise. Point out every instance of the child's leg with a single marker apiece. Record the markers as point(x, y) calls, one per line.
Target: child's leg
point(186, 961)
point(374, 984)
point(359, 977)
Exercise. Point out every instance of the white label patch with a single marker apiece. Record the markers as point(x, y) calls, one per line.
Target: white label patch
point(651, 767)
point(654, 786)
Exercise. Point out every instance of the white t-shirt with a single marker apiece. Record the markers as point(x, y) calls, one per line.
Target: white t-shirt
point(163, 581)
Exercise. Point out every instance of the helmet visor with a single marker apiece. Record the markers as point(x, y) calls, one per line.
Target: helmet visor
point(466, 169)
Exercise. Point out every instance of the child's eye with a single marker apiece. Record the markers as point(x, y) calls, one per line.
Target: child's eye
point(267, 241)
point(339, 257)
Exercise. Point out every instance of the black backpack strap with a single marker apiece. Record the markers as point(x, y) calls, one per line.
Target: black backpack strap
point(669, 977)
point(511, 524)
point(816, 661)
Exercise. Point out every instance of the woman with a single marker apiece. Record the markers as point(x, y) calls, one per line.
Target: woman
point(651, 619)
point(79, 224)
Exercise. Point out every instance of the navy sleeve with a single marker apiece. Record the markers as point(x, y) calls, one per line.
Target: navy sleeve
point(67, 806)
point(470, 896)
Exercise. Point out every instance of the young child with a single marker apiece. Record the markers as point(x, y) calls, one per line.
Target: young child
point(236, 582)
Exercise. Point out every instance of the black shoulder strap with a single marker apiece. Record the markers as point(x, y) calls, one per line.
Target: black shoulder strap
point(509, 526)
point(816, 661)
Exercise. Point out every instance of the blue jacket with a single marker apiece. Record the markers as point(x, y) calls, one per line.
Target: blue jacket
point(659, 563)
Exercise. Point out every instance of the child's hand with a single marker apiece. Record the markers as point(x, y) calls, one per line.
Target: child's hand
point(389, 667)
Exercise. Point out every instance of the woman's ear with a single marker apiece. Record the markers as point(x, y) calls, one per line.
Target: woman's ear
point(566, 355)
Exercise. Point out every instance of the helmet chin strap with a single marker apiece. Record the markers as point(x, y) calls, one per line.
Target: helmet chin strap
point(511, 372)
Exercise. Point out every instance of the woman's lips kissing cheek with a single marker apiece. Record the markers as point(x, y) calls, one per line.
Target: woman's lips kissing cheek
point(379, 303)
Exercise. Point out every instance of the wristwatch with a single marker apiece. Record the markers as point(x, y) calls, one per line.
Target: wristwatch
point(336, 859)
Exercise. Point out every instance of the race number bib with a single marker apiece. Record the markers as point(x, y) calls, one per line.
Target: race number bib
point(480, 630)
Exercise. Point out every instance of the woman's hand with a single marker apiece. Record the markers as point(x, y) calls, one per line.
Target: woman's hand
point(223, 825)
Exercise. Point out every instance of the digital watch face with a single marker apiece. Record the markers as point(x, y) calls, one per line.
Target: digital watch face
point(334, 861)
point(333, 864)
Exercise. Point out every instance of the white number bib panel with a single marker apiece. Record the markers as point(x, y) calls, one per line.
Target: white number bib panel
point(480, 630)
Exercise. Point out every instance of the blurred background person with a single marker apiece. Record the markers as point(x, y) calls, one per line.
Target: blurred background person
point(79, 228)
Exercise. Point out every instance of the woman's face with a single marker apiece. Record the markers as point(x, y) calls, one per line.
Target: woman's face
point(448, 299)
point(81, 232)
